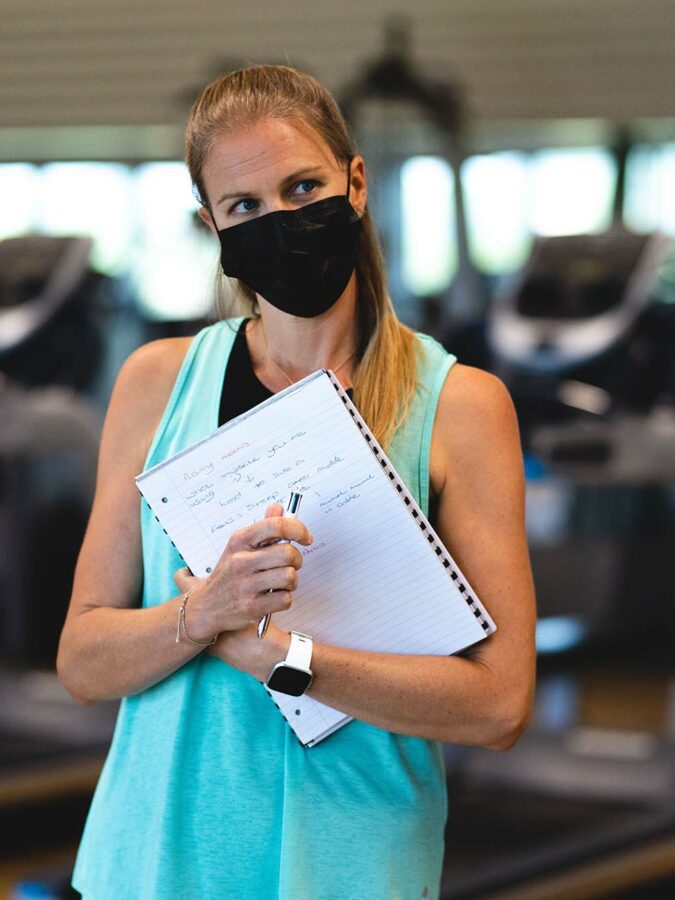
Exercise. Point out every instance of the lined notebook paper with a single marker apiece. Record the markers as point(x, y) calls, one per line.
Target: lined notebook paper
point(376, 577)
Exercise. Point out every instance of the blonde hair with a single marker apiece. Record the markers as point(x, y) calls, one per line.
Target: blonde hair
point(385, 375)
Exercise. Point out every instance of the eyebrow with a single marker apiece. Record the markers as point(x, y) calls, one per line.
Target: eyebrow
point(294, 176)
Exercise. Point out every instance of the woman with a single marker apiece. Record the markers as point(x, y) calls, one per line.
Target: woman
point(206, 793)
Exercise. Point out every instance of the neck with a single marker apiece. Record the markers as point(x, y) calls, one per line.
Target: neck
point(283, 345)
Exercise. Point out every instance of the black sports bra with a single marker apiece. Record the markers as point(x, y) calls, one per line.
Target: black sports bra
point(241, 389)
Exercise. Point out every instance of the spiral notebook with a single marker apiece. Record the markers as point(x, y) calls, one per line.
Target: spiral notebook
point(376, 577)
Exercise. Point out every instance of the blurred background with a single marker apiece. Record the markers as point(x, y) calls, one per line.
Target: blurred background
point(521, 161)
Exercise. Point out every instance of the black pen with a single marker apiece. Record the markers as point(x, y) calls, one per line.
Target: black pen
point(291, 512)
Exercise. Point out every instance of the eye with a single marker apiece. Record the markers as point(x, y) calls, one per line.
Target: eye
point(306, 186)
point(247, 205)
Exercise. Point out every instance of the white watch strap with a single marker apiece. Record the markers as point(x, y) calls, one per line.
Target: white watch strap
point(300, 651)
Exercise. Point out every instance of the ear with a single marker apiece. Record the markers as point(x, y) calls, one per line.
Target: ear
point(358, 187)
point(207, 219)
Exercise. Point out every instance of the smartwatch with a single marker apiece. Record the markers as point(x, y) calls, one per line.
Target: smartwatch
point(293, 675)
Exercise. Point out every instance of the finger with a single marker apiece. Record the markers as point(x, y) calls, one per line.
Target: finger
point(273, 601)
point(276, 556)
point(274, 509)
point(274, 528)
point(284, 578)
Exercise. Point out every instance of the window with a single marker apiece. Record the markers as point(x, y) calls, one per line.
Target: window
point(429, 255)
point(650, 189)
point(88, 198)
point(570, 191)
point(142, 221)
point(18, 190)
point(496, 191)
point(509, 197)
point(173, 262)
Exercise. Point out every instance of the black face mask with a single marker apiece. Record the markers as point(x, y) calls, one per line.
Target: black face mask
point(300, 260)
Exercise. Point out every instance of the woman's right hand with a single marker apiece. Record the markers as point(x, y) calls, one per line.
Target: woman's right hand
point(254, 575)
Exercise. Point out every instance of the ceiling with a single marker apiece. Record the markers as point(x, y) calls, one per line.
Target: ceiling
point(125, 62)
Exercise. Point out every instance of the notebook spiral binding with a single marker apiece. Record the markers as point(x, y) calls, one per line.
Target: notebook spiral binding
point(417, 514)
point(144, 500)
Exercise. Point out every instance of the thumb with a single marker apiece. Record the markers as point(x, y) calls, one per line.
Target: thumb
point(184, 579)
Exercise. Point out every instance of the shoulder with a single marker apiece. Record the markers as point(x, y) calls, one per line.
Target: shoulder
point(470, 393)
point(475, 428)
point(147, 377)
point(144, 384)
point(154, 367)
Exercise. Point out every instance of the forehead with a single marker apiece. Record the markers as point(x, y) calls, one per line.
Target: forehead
point(266, 149)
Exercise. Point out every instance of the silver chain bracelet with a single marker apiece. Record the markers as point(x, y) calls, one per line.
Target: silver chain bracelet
point(181, 621)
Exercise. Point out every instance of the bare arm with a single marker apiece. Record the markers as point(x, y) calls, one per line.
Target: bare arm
point(485, 696)
point(110, 647)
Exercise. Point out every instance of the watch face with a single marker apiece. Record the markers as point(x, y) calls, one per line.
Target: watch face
point(288, 680)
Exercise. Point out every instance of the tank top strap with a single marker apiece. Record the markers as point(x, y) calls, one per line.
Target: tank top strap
point(191, 412)
point(411, 445)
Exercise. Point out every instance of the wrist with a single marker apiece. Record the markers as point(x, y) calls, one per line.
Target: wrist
point(192, 625)
point(273, 649)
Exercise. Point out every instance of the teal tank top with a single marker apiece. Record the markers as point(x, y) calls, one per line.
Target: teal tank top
point(206, 793)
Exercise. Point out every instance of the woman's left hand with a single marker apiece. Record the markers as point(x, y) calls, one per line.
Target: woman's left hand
point(245, 651)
